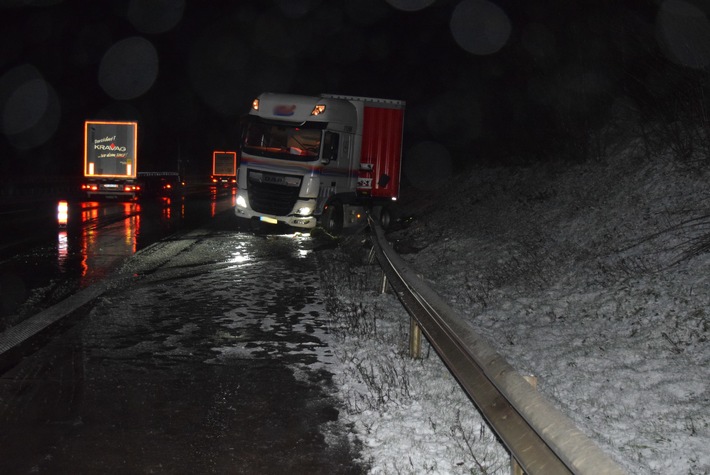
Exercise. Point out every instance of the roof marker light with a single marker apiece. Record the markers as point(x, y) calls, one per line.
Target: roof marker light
point(255, 104)
point(318, 109)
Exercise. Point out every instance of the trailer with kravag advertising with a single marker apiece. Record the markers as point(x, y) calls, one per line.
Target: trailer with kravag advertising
point(110, 159)
point(319, 160)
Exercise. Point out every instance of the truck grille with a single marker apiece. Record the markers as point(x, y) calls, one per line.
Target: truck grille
point(271, 194)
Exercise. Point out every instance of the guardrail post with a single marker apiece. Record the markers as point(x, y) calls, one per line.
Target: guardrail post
point(415, 339)
point(515, 468)
point(371, 255)
point(415, 336)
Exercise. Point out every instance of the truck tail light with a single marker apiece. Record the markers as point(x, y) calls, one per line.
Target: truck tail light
point(62, 213)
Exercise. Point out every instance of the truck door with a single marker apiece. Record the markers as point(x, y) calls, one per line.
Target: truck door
point(338, 150)
point(349, 161)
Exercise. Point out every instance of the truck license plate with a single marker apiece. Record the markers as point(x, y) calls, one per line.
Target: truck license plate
point(268, 220)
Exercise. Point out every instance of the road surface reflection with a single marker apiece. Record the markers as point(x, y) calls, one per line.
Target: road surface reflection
point(96, 238)
point(51, 250)
point(105, 234)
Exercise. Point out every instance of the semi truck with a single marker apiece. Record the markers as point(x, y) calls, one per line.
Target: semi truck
point(224, 168)
point(110, 159)
point(319, 160)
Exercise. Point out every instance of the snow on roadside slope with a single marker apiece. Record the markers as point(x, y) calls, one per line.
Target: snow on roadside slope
point(592, 277)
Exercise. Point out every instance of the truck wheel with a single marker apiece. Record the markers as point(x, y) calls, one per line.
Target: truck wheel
point(332, 218)
point(385, 218)
point(243, 224)
point(256, 226)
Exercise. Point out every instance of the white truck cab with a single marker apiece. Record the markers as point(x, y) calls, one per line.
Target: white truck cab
point(304, 158)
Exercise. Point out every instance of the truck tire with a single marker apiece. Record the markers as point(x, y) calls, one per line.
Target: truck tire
point(385, 218)
point(242, 223)
point(248, 225)
point(332, 218)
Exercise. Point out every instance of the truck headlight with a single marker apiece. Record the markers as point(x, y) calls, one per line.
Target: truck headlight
point(241, 202)
point(304, 211)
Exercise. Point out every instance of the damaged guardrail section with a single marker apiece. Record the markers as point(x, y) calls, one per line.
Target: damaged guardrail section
point(539, 437)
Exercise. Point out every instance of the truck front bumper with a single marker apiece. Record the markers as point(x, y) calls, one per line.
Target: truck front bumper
point(243, 210)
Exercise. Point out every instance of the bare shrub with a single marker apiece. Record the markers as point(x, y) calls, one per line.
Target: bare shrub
point(678, 119)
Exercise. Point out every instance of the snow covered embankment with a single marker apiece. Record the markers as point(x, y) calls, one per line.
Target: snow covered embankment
point(594, 278)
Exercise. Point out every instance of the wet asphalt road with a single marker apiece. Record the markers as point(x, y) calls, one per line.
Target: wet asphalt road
point(42, 262)
point(212, 358)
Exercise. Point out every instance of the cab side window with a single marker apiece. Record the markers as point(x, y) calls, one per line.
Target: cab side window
point(331, 141)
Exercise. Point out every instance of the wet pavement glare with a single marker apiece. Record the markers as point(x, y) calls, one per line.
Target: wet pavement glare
point(215, 360)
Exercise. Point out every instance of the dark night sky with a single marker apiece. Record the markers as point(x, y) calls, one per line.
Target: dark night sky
point(483, 79)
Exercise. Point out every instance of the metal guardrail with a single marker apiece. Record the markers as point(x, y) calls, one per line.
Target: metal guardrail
point(539, 437)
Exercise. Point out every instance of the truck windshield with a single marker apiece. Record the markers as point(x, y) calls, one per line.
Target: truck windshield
point(281, 141)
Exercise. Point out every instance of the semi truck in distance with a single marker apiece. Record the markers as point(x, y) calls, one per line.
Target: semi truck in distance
point(319, 160)
point(224, 168)
point(110, 160)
